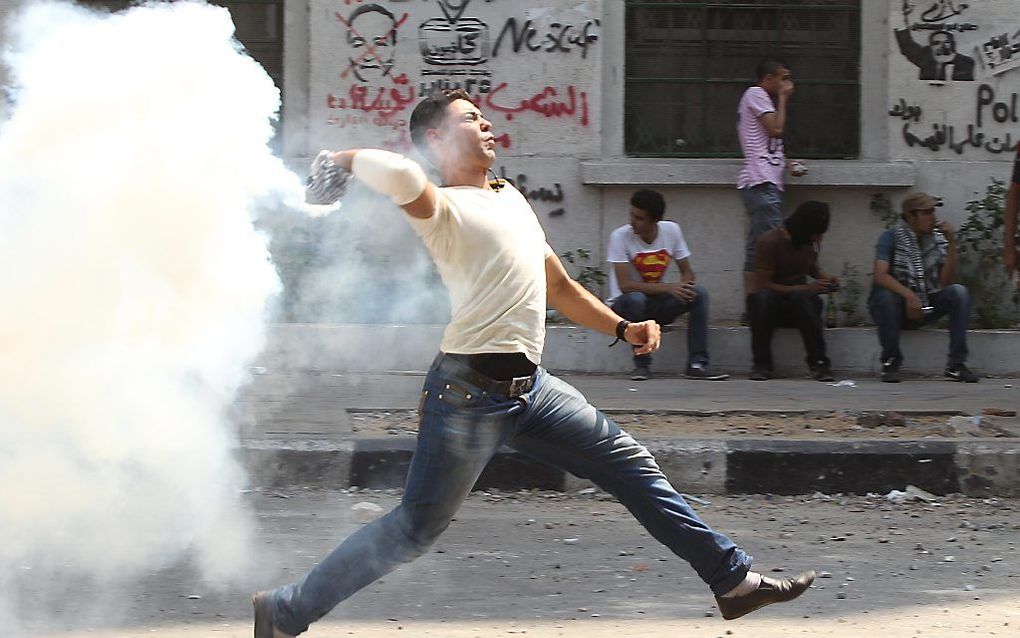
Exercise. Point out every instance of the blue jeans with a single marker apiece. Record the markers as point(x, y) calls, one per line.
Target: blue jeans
point(461, 428)
point(764, 206)
point(664, 309)
point(888, 309)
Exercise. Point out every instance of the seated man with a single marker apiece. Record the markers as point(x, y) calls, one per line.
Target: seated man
point(915, 264)
point(784, 258)
point(639, 253)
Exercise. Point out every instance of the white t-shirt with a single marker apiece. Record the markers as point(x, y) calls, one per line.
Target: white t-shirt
point(490, 251)
point(648, 261)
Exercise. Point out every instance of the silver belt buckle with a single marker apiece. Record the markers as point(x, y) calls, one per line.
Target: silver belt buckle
point(518, 386)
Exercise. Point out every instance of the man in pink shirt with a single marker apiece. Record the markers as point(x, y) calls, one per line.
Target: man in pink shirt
point(761, 119)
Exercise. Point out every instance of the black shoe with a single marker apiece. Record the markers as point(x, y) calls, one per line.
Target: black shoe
point(263, 617)
point(702, 372)
point(769, 591)
point(960, 372)
point(822, 373)
point(760, 374)
point(890, 371)
point(641, 373)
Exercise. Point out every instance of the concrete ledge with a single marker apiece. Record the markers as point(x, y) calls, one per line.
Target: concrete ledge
point(987, 467)
point(723, 172)
point(853, 351)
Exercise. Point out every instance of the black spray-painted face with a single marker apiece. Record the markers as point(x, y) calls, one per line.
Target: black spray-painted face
point(372, 36)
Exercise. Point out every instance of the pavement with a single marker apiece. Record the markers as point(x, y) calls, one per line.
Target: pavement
point(296, 430)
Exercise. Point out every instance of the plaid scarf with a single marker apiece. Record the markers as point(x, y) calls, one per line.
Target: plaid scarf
point(915, 264)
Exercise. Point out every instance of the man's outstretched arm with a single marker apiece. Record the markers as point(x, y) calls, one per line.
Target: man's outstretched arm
point(582, 307)
point(399, 177)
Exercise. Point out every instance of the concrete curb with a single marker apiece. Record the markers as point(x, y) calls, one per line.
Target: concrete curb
point(976, 467)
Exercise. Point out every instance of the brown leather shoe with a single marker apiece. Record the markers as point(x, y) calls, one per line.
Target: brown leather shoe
point(769, 591)
point(263, 617)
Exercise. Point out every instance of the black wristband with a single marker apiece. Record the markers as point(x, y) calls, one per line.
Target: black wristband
point(621, 328)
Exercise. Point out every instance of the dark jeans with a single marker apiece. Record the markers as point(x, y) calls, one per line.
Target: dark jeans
point(664, 309)
point(769, 310)
point(889, 312)
point(461, 428)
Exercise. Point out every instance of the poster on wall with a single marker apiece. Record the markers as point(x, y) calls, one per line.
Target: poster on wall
point(954, 78)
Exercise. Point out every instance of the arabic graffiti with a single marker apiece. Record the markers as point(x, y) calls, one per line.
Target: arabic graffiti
point(541, 194)
point(943, 10)
point(546, 102)
point(384, 102)
point(909, 112)
point(944, 136)
point(557, 37)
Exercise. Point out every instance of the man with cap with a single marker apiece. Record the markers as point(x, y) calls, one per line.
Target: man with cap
point(915, 265)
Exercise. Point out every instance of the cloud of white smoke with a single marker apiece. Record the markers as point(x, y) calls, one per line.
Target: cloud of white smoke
point(133, 285)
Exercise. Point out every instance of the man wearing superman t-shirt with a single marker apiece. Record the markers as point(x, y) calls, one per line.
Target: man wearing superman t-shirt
point(640, 253)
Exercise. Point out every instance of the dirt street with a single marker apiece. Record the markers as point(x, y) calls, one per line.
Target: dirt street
point(577, 566)
point(545, 564)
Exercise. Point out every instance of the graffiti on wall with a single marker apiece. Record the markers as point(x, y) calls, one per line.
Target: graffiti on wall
point(542, 195)
point(936, 38)
point(989, 109)
point(397, 51)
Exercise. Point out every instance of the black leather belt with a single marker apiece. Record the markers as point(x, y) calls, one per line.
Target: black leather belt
point(513, 387)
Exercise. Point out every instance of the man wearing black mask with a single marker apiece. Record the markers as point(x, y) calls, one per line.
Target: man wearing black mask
point(785, 258)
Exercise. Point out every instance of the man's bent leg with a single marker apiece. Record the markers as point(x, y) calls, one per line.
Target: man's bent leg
point(697, 329)
point(460, 431)
point(763, 307)
point(560, 427)
point(806, 309)
point(887, 310)
point(954, 300)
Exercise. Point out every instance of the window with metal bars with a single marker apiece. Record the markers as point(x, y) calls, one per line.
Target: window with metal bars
point(688, 63)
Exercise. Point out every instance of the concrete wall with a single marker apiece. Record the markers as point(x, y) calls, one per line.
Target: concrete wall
point(550, 75)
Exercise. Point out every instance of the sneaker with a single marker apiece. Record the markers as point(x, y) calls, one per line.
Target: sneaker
point(702, 372)
point(760, 374)
point(641, 373)
point(890, 371)
point(264, 627)
point(822, 373)
point(960, 372)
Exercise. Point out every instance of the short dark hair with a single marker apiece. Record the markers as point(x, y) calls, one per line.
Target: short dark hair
point(810, 218)
point(430, 113)
point(769, 66)
point(949, 34)
point(649, 201)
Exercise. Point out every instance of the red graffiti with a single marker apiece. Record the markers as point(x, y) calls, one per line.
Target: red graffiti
point(504, 140)
point(542, 103)
point(387, 102)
